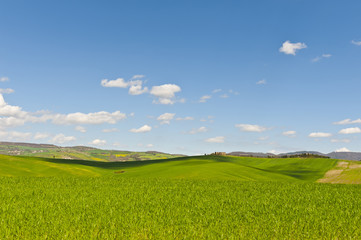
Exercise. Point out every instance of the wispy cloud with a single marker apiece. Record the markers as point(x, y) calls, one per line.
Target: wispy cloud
point(4, 79)
point(261, 82)
point(348, 121)
point(350, 130)
point(219, 139)
point(250, 128)
point(198, 130)
point(143, 129)
point(318, 58)
point(204, 98)
point(165, 118)
point(289, 133)
point(319, 135)
point(357, 43)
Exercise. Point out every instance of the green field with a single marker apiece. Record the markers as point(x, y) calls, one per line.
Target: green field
point(206, 197)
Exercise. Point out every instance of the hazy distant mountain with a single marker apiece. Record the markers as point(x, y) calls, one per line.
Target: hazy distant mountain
point(334, 155)
point(345, 155)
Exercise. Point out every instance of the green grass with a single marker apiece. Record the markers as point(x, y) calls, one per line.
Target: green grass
point(206, 197)
point(137, 208)
point(203, 167)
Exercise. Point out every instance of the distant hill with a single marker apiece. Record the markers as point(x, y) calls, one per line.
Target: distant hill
point(333, 155)
point(78, 152)
point(345, 155)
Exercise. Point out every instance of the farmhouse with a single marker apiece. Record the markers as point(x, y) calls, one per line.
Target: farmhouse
point(219, 153)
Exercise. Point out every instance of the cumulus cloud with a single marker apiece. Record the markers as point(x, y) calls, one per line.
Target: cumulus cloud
point(347, 121)
point(350, 130)
point(318, 58)
point(165, 118)
point(250, 128)
point(6, 90)
point(198, 130)
point(342, 150)
point(4, 79)
point(185, 119)
point(109, 130)
point(9, 110)
point(80, 129)
point(98, 142)
point(165, 93)
point(357, 43)
point(289, 133)
point(219, 139)
point(319, 135)
point(204, 98)
point(38, 136)
point(143, 129)
point(262, 82)
point(291, 48)
point(149, 145)
point(14, 135)
point(134, 85)
point(88, 118)
point(61, 138)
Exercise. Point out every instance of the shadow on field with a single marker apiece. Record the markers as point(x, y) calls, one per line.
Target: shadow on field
point(111, 165)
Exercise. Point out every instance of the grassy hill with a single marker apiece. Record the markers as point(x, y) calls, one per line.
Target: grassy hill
point(199, 167)
point(78, 152)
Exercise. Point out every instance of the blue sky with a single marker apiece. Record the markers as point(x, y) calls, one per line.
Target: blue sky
point(188, 77)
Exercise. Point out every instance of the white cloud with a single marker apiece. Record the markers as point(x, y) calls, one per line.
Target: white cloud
point(14, 135)
point(4, 79)
point(204, 98)
point(357, 43)
point(185, 119)
point(9, 110)
point(350, 130)
point(224, 96)
point(198, 130)
point(149, 145)
point(41, 136)
point(6, 90)
point(342, 150)
point(165, 93)
point(80, 129)
point(135, 84)
point(61, 138)
point(250, 128)
point(345, 140)
point(11, 122)
point(142, 129)
point(89, 118)
point(347, 121)
point(219, 139)
point(119, 82)
point(98, 142)
point(165, 118)
point(110, 130)
point(289, 133)
point(274, 151)
point(319, 135)
point(216, 90)
point(262, 82)
point(137, 90)
point(291, 48)
point(318, 58)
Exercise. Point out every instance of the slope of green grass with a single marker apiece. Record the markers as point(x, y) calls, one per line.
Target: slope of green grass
point(201, 167)
point(138, 208)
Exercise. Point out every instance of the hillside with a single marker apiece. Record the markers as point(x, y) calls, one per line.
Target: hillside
point(201, 167)
point(78, 152)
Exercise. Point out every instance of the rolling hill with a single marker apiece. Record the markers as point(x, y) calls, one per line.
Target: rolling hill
point(199, 167)
point(78, 152)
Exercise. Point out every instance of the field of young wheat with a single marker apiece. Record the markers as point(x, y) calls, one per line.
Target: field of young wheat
point(133, 208)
